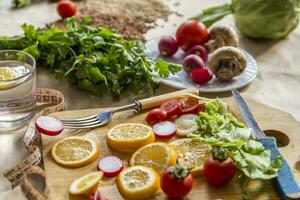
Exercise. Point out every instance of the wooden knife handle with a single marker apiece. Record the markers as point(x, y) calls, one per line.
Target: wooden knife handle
point(157, 100)
point(285, 181)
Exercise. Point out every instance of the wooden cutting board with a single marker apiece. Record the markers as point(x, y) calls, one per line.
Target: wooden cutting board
point(276, 122)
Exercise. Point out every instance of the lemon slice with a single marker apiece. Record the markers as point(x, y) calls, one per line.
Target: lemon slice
point(6, 74)
point(191, 154)
point(138, 182)
point(186, 124)
point(87, 184)
point(157, 155)
point(129, 137)
point(75, 151)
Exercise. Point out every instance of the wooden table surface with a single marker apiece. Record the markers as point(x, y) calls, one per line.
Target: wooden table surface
point(277, 83)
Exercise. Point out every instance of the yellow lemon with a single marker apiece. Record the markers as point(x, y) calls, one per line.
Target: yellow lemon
point(138, 182)
point(191, 154)
point(156, 155)
point(6, 74)
point(75, 151)
point(129, 137)
point(87, 184)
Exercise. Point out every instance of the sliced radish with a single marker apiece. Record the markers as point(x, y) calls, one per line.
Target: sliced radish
point(164, 130)
point(110, 165)
point(49, 125)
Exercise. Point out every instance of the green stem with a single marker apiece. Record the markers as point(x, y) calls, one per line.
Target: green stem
point(213, 14)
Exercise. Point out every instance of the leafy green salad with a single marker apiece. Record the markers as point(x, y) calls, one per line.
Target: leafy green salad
point(92, 58)
point(219, 128)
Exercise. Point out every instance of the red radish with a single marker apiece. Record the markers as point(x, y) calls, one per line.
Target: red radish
point(167, 46)
point(200, 51)
point(192, 62)
point(49, 125)
point(201, 76)
point(164, 130)
point(110, 165)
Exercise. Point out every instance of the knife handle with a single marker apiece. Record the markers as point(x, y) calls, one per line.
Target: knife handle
point(285, 181)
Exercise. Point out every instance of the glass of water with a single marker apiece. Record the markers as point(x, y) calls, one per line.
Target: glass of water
point(17, 89)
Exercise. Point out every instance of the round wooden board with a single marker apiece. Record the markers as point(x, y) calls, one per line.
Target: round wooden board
point(59, 178)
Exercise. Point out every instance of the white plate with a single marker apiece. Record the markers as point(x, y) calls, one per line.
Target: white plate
point(182, 81)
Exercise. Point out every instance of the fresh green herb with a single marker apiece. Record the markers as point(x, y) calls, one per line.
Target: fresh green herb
point(21, 3)
point(219, 128)
point(94, 59)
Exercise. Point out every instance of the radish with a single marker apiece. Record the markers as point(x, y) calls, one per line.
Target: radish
point(198, 50)
point(49, 125)
point(201, 76)
point(110, 165)
point(192, 62)
point(164, 130)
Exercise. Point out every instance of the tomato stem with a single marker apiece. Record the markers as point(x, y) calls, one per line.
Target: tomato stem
point(219, 153)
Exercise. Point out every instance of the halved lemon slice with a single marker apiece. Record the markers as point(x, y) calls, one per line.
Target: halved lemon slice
point(157, 155)
point(129, 137)
point(87, 184)
point(138, 182)
point(191, 154)
point(6, 74)
point(75, 151)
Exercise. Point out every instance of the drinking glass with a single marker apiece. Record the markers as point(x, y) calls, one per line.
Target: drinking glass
point(17, 89)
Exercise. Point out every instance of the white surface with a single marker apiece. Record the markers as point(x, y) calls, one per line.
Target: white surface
point(181, 80)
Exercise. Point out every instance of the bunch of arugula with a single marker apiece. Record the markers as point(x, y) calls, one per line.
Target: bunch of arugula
point(94, 59)
point(219, 128)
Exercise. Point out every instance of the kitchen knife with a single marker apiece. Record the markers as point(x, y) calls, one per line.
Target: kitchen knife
point(285, 181)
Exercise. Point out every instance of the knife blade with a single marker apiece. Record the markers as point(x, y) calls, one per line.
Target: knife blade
point(285, 181)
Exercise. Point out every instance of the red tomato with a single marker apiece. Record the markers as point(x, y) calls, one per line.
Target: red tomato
point(66, 8)
point(189, 105)
point(174, 187)
point(156, 115)
point(191, 33)
point(172, 107)
point(219, 172)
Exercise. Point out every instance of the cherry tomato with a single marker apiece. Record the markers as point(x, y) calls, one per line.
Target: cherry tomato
point(176, 187)
point(66, 8)
point(156, 115)
point(219, 172)
point(172, 107)
point(191, 33)
point(189, 105)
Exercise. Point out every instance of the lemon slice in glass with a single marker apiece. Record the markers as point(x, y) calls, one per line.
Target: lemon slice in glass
point(87, 184)
point(138, 182)
point(129, 137)
point(156, 155)
point(191, 154)
point(75, 151)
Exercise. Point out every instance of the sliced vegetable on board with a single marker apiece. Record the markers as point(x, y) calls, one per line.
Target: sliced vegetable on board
point(172, 107)
point(186, 124)
point(156, 115)
point(164, 130)
point(110, 165)
point(49, 125)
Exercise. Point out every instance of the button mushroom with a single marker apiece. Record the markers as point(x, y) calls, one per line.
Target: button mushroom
point(227, 62)
point(221, 36)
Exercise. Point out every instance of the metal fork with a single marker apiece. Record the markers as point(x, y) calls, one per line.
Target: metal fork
point(104, 118)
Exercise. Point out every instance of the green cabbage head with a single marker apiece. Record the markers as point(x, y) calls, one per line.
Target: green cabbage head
point(268, 19)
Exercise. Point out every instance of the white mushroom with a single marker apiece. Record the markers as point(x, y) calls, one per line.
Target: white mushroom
point(221, 36)
point(227, 62)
